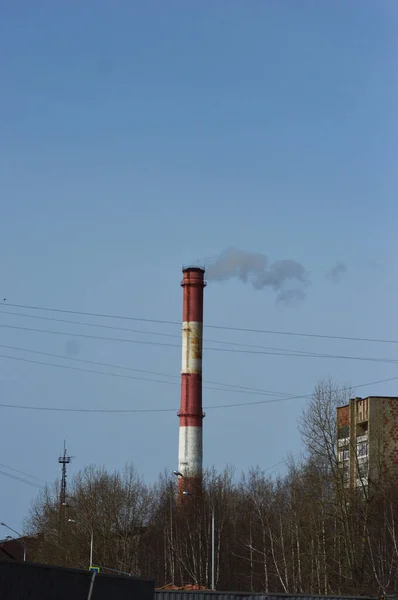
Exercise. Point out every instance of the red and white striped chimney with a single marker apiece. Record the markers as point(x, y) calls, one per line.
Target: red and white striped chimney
point(190, 449)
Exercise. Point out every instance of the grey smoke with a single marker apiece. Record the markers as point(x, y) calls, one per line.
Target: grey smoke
point(287, 278)
point(336, 272)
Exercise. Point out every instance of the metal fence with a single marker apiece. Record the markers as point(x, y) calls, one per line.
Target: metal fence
point(209, 595)
point(20, 581)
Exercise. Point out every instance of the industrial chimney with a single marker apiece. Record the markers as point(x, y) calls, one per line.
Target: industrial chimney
point(190, 449)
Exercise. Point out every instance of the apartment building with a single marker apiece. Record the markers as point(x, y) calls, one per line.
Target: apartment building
point(367, 440)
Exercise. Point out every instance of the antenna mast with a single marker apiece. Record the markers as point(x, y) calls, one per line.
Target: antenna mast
point(63, 460)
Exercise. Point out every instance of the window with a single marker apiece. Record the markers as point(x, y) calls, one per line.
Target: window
point(344, 455)
point(362, 449)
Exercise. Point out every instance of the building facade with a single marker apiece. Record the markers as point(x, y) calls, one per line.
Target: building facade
point(367, 440)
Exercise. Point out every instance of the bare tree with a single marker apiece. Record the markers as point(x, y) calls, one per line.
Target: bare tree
point(113, 508)
point(306, 532)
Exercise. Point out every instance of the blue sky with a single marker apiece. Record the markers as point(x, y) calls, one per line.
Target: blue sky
point(141, 136)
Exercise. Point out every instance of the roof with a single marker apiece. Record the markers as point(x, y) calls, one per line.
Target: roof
point(369, 398)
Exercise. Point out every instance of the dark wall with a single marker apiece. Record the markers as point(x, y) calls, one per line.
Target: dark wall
point(209, 595)
point(19, 581)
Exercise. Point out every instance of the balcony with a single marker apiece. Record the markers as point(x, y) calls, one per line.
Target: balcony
point(343, 455)
point(361, 481)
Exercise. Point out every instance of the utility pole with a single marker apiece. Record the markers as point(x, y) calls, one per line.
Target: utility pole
point(64, 460)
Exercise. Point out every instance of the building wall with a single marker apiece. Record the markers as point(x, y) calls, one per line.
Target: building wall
point(343, 416)
point(367, 439)
point(376, 438)
point(388, 442)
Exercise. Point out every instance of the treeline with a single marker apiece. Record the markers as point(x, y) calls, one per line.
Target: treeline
point(304, 532)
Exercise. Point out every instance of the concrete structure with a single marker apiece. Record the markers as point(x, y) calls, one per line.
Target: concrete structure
point(367, 440)
point(190, 450)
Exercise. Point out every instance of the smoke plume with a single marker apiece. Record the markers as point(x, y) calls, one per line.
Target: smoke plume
point(287, 278)
point(336, 272)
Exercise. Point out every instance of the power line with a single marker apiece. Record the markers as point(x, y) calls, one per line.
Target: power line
point(21, 472)
point(47, 364)
point(243, 390)
point(36, 485)
point(21, 479)
point(303, 354)
point(344, 389)
point(221, 327)
point(239, 389)
point(89, 314)
point(161, 410)
point(88, 336)
point(288, 351)
point(141, 331)
point(307, 335)
point(86, 324)
point(112, 366)
point(234, 389)
point(90, 362)
point(233, 350)
point(292, 352)
point(86, 410)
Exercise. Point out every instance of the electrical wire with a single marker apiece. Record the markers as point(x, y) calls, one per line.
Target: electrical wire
point(90, 362)
point(21, 479)
point(142, 331)
point(163, 410)
point(21, 472)
point(151, 380)
point(292, 352)
point(233, 350)
point(273, 351)
point(220, 327)
point(47, 364)
point(89, 314)
point(229, 386)
point(86, 324)
point(31, 483)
